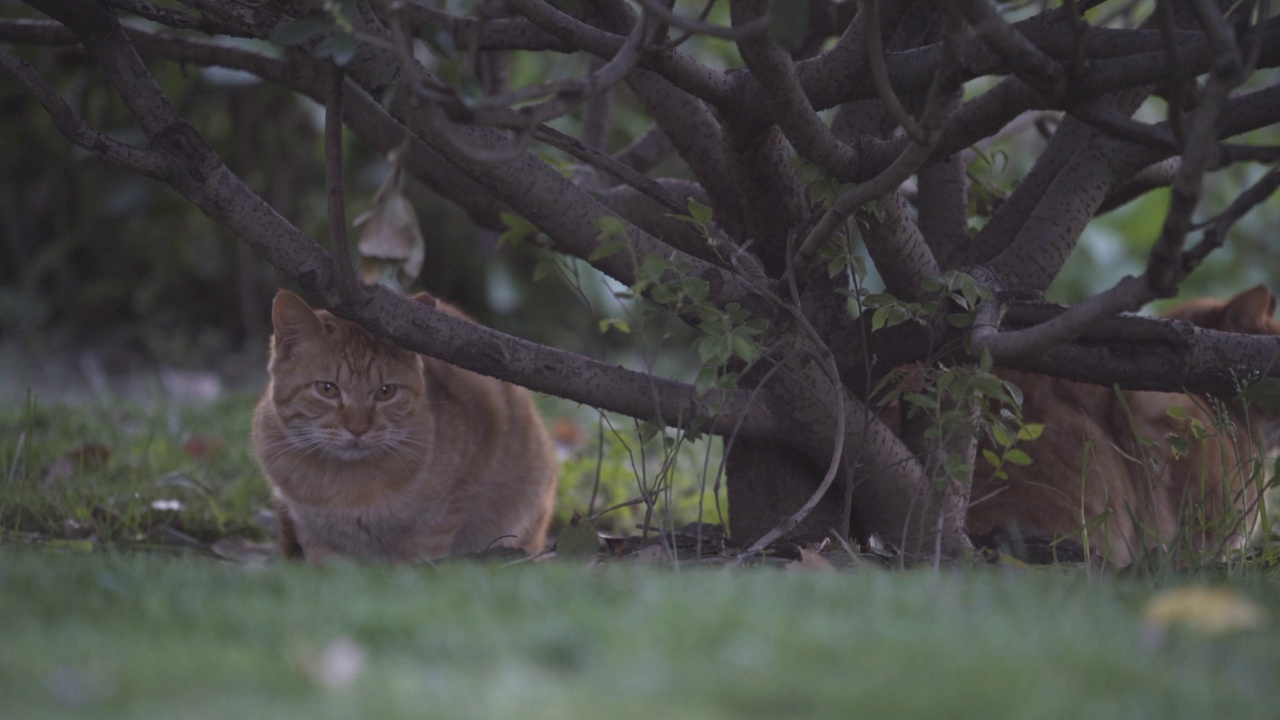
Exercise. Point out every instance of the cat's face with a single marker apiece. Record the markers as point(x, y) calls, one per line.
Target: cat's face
point(338, 390)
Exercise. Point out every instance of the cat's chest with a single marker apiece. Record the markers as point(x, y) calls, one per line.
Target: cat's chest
point(396, 531)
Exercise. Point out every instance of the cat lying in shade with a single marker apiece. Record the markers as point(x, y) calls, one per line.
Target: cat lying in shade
point(1090, 473)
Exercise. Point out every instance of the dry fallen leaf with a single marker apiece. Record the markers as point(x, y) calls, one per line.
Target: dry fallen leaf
point(1210, 610)
point(650, 554)
point(88, 455)
point(811, 561)
point(201, 447)
point(339, 664)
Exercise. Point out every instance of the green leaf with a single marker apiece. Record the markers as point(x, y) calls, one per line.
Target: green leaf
point(921, 400)
point(959, 320)
point(1000, 434)
point(1030, 431)
point(577, 542)
point(607, 248)
point(696, 289)
point(651, 270)
point(744, 348)
point(699, 212)
point(712, 349)
point(956, 467)
point(615, 324)
point(990, 456)
point(648, 429)
point(888, 316)
point(1177, 412)
point(663, 295)
point(517, 229)
point(1177, 444)
point(296, 32)
point(610, 227)
point(544, 268)
point(859, 267)
point(1017, 457)
point(706, 379)
point(1015, 394)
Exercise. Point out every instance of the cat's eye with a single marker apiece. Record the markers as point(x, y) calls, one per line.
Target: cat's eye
point(386, 392)
point(327, 389)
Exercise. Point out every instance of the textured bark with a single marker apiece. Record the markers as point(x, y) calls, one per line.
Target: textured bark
point(735, 137)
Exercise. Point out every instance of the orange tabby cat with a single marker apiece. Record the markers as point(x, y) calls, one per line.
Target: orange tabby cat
point(376, 452)
point(1086, 473)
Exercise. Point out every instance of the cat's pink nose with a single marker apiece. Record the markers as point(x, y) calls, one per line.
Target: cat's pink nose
point(356, 428)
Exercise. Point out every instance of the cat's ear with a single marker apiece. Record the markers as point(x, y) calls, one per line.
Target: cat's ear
point(1251, 311)
point(426, 298)
point(293, 320)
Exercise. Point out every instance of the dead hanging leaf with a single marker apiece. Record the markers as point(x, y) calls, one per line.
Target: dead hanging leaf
point(812, 561)
point(86, 457)
point(391, 239)
point(1208, 610)
point(578, 540)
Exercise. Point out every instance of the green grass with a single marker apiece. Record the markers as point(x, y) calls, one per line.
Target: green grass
point(91, 627)
point(89, 475)
point(146, 636)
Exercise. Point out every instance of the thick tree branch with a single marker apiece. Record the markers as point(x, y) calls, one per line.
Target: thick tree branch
point(195, 171)
point(898, 249)
point(907, 163)
point(754, 28)
point(75, 129)
point(1143, 353)
point(680, 69)
point(942, 207)
point(1164, 270)
point(1025, 60)
point(773, 68)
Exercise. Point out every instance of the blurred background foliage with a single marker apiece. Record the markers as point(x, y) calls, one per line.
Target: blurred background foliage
point(93, 258)
point(107, 274)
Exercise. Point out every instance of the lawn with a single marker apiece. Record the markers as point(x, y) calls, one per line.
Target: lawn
point(114, 603)
point(144, 636)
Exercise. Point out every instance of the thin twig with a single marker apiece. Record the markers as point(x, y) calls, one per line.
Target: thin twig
point(597, 159)
point(1127, 295)
point(1163, 267)
point(908, 162)
point(75, 128)
point(339, 242)
point(880, 75)
point(698, 27)
point(1025, 60)
point(702, 18)
point(1106, 117)
point(1216, 233)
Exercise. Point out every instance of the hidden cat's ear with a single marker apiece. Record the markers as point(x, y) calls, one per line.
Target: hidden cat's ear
point(426, 298)
point(293, 319)
point(1251, 311)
